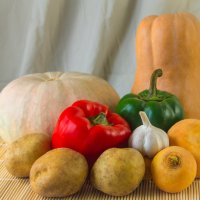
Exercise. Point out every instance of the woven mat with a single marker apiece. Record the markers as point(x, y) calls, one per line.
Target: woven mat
point(19, 189)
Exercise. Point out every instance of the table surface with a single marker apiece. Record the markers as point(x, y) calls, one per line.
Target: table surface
point(19, 189)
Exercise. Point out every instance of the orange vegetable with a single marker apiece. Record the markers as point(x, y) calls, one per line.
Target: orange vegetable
point(186, 133)
point(170, 42)
point(173, 169)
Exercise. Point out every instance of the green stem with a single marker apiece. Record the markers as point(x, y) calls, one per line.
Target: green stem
point(153, 89)
point(100, 119)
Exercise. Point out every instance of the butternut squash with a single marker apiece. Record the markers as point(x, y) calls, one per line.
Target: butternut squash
point(170, 42)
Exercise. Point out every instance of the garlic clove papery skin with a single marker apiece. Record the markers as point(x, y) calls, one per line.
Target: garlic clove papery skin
point(136, 139)
point(154, 141)
point(148, 139)
point(151, 144)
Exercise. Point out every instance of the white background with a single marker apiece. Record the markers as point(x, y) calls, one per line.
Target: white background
point(92, 36)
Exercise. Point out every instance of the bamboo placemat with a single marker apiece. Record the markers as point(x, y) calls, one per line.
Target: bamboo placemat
point(12, 188)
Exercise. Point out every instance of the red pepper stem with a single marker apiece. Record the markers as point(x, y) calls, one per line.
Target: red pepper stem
point(153, 82)
point(100, 119)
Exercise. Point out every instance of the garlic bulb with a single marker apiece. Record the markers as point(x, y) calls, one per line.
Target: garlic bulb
point(147, 138)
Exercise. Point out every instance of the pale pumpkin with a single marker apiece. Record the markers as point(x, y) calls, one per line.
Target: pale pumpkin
point(33, 103)
point(170, 42)
point(186, 133)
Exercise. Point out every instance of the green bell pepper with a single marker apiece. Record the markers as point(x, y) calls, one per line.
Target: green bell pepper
point(162, 108)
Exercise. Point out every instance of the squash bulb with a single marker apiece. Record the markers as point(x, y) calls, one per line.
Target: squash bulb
point(148, 139)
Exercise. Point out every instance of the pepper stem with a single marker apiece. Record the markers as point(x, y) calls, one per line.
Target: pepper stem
point(153, 82)
point(145, 119)
point(100, 119)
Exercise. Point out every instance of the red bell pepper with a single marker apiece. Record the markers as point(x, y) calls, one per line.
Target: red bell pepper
point(90, 128)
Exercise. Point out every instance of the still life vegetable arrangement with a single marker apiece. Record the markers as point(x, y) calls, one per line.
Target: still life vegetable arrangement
point(62, 128)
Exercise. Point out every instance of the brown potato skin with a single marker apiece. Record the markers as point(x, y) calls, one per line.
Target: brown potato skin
point(23, 152)
point(59, 173)
point(118, 171)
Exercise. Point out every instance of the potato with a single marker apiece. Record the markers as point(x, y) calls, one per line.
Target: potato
point(58, 173)
point(22, 153)
point(118, 171)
